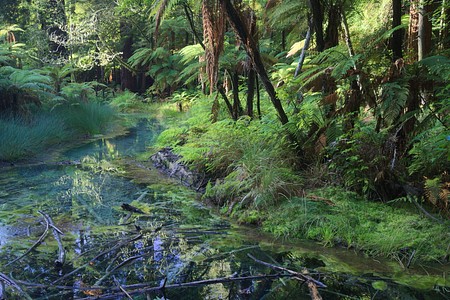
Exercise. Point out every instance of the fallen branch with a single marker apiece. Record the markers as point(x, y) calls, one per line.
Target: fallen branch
point(37, 243)
point(126, 261)
point(145, 288)
point(302, 277)
point(320, 199)
point(8, 281)
point(121, 288)
point(57, 234)
point(117, 246)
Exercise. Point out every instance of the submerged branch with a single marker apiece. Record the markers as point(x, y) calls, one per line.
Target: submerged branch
point(9, 282)
point(37, 243)
point(115, 247)
point(302, 277)
point(143, 288)
point(57, 234)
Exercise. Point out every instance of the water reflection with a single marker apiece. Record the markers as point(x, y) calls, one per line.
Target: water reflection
point(137, 140)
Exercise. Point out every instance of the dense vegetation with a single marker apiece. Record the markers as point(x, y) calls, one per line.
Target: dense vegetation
point(333, 114)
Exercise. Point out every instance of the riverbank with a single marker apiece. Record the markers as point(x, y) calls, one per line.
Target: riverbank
point(253, 182)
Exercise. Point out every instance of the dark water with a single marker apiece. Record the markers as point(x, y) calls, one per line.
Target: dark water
point(173, 240)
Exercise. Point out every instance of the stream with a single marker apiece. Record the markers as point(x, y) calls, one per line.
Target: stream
point(171, 239)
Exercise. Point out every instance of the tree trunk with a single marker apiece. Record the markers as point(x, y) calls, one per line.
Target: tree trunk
point(250, 92)
point(397, 36)
point(317, 14)
point(301, 59)
point(127, 80)
point(334, 20)
point(237, 108)
point(413, 29)
point(425, 31)
point(253, 52)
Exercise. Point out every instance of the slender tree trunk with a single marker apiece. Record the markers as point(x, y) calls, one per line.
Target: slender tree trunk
point(397, 36)
point(188, 13)
point(348, 40)
point(302, 57)
point(237, 108)
point(253, 52)
point(250, 92)
point(317, 14)
point(425, 31)
point(413, 29)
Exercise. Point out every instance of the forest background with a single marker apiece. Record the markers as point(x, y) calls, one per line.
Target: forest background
point(320, 119)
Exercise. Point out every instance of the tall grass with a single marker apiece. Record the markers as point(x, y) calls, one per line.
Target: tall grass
point(87, 118)
point(21, 138)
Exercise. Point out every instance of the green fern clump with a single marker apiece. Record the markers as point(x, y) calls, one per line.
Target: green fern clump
point(127, 102)
point(251, 159)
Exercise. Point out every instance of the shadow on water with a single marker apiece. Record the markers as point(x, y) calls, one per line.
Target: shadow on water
point(169, 238)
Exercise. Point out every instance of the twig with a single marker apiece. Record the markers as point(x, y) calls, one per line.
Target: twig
point(126, 261)
point(8, 281)
point(121, 288)
point(427, 214)
point(57, 234)
point(37, 243)
point(301, 276)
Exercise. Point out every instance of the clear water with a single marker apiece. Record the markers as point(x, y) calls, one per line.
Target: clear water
point(176, 239)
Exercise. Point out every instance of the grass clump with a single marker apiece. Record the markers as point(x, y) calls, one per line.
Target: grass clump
point(25, 137)
point(346, 219)
point(87, 118)
point(22, 138)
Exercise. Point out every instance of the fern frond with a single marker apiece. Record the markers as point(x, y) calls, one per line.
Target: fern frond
point(191, 52)
point(394, 97)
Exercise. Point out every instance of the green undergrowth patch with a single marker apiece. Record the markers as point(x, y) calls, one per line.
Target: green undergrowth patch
point(337, 217)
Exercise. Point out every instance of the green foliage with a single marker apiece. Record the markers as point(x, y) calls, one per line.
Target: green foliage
point(394, 96)
point(358, 159)
point(127, 102)
point(430, 153)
